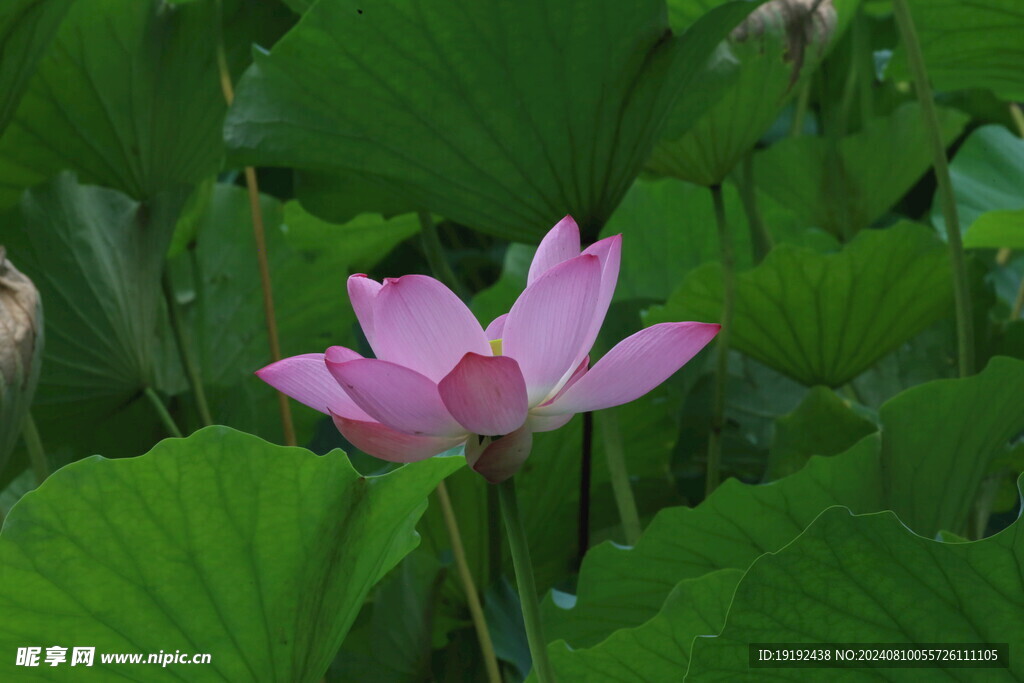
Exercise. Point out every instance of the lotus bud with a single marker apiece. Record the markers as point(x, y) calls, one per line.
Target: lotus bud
point(21, 341)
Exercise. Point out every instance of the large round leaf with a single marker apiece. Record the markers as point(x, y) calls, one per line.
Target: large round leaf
point(220, 543)
point(622, 587)
point(919, 448)
point(773, 53)
point(668, 229)
point(867, 579)
point(969, 45)
point(26, 28)
point(845, 186)
point(825, 318)
point(128, 95)
point(502, 116)
point(220, 295)
point(96, 257)
point(988, 181)
point(658, 650)
point(823, 424)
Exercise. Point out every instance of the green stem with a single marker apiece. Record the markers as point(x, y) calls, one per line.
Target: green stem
point(842, 120)
point(722, 347)
point(586, 477)
point(760, 238)
point(961, 289)
point(802, 99)
point(161, 411)
point(476, 610)
point(36, 454)
point(259, 236)
point(495, 556)
point(187, 362)
point(621, 488)
point(434, 252)
point(865, 61)
point(524, 578)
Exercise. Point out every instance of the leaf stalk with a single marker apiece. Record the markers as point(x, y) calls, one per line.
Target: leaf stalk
point(476, 610)
point(525, 580)
point(722, 348)
point(961, 288)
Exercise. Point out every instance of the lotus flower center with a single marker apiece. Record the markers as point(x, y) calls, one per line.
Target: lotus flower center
point(495, 346)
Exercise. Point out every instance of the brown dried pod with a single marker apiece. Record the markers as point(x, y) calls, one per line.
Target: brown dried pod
point(21, 341)
point(806, 24)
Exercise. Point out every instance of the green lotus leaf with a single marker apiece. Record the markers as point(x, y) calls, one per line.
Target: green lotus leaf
point(221, 543)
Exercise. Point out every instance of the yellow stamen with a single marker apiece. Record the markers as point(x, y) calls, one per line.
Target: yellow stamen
point(496, 347)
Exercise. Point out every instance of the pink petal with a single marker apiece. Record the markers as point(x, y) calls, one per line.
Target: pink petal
point(636, 365)
point(499, 459)
point(547, 423)
point(385, 443)
point(609, 250)
point(580, 370)
point(421, 324)
point(548, 323)
point(306, 379)
point(396, 396)
point(486, 394)
point(560, 244)
point(361, 292)
point(496, 328)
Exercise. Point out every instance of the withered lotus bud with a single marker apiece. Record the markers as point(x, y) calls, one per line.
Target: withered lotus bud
point(21, 337)
point(807, 24)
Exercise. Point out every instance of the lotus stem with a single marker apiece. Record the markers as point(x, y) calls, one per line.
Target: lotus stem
point(525, 581)
point(586, 475)
point(760, 239)
point(961, 288)
point(187, 361)
point(722, 349)
point(1003, 257)
point(495, 555)
point(800, 109)
point(621, 488)
point(161, 410)
point(34, 445)
point(259, 233)
point(476, 610)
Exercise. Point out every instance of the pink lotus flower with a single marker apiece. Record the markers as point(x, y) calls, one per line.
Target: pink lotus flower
point(440, 380)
